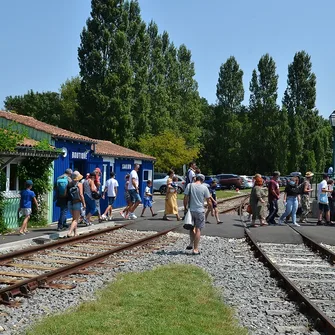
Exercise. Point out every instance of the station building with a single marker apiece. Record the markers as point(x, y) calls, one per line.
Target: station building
point(80, 153)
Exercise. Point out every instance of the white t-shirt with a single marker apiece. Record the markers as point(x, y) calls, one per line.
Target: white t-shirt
point(147, 190)
point(133, 175)
point(191, 175)
point(111, 184)
point(321, 186)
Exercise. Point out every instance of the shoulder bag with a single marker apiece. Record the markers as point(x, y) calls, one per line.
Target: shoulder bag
point(188, 222)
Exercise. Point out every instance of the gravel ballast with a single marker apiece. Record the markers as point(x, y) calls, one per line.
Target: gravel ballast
point(243, 282)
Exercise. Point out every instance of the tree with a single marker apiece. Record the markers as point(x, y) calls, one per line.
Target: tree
point(170, 150)
point(70, 106)
point(190, 109)
point(43, 106)
point(227, 127)
point(105, 69)
point(139, 60)
point(268, 120)
point(309, 135)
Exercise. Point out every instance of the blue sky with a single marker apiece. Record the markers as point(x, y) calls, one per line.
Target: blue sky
point(39, 40)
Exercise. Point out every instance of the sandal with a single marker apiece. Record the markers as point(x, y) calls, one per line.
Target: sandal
point(207, 222)
point(189, 247)
point(219, 222)
point(196, 253)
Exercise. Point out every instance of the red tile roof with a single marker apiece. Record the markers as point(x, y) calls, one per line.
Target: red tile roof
point(28, 142)
point(107, 148)
point(42, 126)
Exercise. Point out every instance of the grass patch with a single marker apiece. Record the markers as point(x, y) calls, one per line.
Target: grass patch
point(171, 300)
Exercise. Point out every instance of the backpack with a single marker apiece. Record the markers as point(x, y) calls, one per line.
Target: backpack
point(74, 193)
point(61, 185)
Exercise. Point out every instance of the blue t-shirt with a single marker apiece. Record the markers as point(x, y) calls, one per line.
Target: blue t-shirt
point(26, 198)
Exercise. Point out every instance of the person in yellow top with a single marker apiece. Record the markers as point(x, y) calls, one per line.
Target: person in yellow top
point(171, 206)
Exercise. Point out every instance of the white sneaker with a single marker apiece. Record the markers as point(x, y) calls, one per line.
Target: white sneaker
point(123, 215)
point(132, 216)
point(110, 218)
point(104, 217)
point(280, 222)
point(296, 224)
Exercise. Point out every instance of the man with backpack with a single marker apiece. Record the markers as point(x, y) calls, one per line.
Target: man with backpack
point(62, 197)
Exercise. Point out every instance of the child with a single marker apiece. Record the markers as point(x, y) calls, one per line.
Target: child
point(147, 199)
point(27, 196)
point(214, 211)
point(174, 183)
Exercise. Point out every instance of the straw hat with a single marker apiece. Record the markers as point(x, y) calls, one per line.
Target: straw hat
point(76, 176)
point(309, 174)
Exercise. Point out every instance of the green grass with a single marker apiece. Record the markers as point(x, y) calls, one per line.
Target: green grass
point(171, 300)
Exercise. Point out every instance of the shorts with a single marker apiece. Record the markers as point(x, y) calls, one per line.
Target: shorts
point(26, 211)
point(214, 205)
point(147, 203)
point(198, 219)
point(90, 205)
point(134, 196)
point(323, 207)
point(111, 201)
point(74, 207)
point(127, 196)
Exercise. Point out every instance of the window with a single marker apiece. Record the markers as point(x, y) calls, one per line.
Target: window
point(147, 175)
point(13, 177)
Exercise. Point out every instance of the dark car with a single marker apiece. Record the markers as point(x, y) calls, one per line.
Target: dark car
point(209, 179)
point(229, 180)
point(266, 180)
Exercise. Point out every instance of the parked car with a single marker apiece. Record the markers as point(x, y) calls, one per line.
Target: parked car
point(283, 181)
point(247, 181)
point(209, 179)
point(159, 175)
point(266, 180)
point(159, 185)
point(229, 180)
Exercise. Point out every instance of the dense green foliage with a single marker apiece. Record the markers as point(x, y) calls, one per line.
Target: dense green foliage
point(136, 85)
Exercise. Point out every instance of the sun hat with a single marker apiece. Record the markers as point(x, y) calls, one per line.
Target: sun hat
point(309, 174)
point(76, 176)
point(29, 182)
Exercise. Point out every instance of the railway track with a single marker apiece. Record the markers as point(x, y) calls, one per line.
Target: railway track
point(64, 263)
point(306, 271)
point(232, 205)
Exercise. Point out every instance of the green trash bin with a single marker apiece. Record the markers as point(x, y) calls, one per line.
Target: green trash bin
point(11, 206)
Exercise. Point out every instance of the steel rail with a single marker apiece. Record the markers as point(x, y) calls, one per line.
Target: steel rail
point(315, 246)
point(322, 321)
point(25, 286)
point(63, 241)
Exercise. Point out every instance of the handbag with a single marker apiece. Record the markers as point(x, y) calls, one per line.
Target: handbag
point(323, 199)
point(96, 195)
point(188, 222)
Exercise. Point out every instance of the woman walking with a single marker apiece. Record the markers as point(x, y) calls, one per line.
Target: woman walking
point(89, 187)
point(75, 201)
point(171, 206)
point(291, 201)
point(258, 202)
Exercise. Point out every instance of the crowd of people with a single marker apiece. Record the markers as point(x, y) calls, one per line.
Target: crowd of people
point(264, 200)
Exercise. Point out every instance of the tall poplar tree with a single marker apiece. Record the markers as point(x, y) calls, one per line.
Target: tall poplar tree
point(105, 69)
point(309, 135)
point(268, 121)
point(227, 127)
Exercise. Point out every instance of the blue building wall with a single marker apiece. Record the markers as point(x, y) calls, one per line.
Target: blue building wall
point(77, 156)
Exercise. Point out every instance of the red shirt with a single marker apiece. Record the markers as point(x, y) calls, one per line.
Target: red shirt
point(274, 191)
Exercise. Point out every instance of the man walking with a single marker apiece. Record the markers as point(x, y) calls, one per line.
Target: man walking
point(62, 198)
point(133, 188)
point(323, 200)
point(273, 197)
point(305, 191)
point(195, 193)
point(190, 175)
point(111, 188)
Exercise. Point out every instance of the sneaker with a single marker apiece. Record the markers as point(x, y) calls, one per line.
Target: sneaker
point(319, 223)
point(123, 215)
point(296, 224)
point(281, 223)
point(132, 216)
point(110, 218)
point(104, 217)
